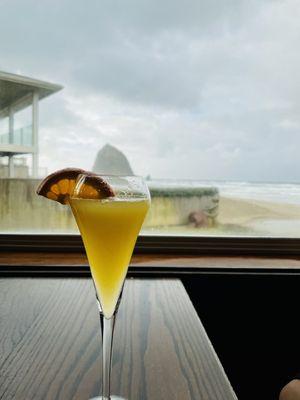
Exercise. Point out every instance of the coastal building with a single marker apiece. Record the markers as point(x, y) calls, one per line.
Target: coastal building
point(19, 120)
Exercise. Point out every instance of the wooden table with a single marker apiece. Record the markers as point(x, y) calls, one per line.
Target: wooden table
point(50, 343)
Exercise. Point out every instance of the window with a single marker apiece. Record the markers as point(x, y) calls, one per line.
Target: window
point(200, 98)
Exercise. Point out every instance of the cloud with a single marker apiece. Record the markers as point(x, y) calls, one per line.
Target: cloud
point(203, 90)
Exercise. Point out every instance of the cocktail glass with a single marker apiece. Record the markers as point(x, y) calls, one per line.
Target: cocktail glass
point(109, 229)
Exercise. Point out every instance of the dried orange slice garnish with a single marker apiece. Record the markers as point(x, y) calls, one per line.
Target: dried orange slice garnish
point(60, 185)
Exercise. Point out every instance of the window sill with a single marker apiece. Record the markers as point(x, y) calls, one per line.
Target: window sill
point(180, 245)
point(76, 264)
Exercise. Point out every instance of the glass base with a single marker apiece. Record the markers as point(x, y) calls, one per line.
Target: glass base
point(111, 398)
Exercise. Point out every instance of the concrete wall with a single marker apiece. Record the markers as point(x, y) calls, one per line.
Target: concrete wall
point(20, 171)
point(22, 210)
point(172, 211)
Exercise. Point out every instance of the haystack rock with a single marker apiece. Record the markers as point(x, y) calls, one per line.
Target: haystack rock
point(112, 161)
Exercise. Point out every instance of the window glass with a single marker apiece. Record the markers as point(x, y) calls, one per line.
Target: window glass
point(23, 127)
point(199, 97)
point(4, 130)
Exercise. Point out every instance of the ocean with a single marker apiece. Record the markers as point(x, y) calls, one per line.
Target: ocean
point(265, 191)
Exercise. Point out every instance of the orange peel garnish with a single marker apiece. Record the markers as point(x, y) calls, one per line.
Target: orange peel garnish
point(60, 185)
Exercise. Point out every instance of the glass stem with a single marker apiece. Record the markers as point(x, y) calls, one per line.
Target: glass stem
point(107, 327)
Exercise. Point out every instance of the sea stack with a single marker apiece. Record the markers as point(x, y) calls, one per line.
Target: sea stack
point(111, 161)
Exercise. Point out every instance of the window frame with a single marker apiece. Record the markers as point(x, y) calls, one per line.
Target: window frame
point(162, 244)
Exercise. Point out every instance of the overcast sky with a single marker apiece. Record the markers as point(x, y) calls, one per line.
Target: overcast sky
point(202, 89)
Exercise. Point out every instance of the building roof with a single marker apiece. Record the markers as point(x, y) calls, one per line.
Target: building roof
point(16, 87)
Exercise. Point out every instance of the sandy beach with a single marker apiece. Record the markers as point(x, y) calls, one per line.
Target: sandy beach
point(261, 217)
point(242, 212)
point(246, 218)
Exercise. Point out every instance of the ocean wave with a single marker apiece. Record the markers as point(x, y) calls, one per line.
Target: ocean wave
point(275, 192)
